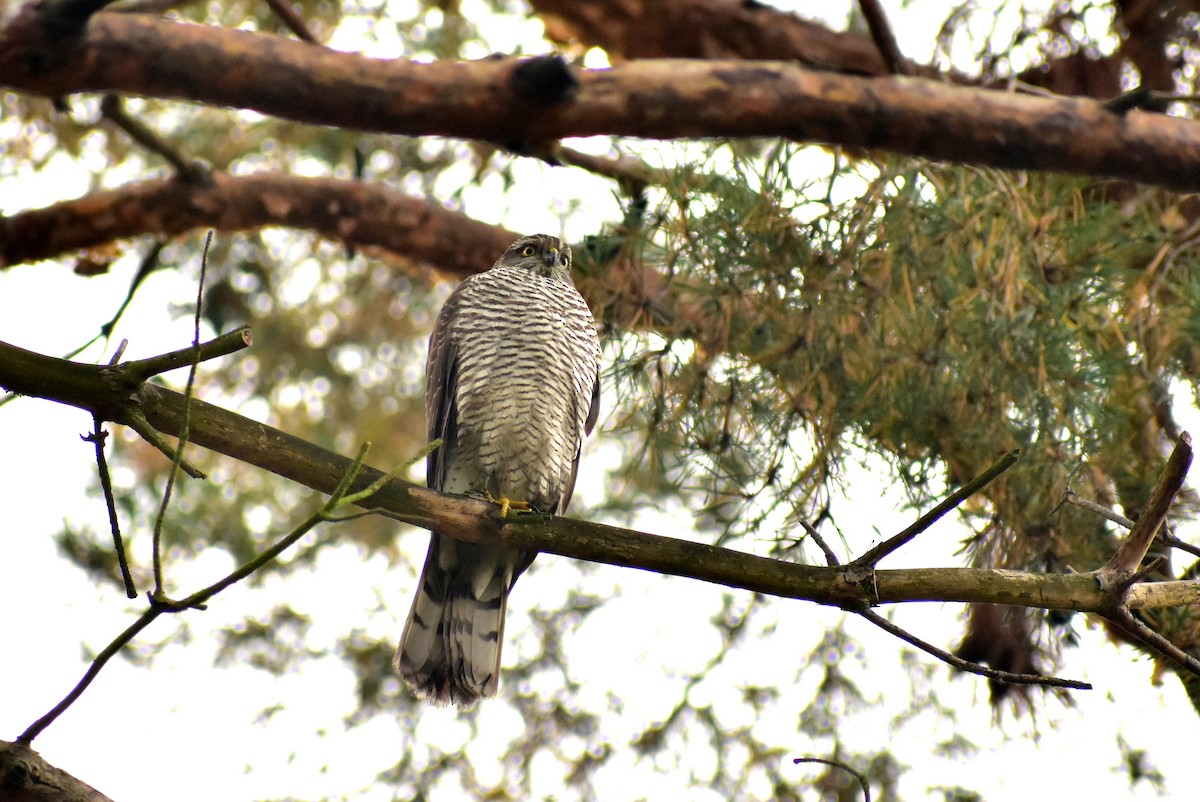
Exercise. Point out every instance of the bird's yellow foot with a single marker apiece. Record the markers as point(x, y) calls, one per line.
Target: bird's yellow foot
point(507, 504)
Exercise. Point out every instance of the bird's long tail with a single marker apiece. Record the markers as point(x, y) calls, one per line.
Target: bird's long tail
point(450, 649)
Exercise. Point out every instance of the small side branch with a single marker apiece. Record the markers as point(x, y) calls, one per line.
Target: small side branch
point(159, 604)
point(872, 557)
point(98, 438)
point(230, 343)
point(862, 781)
point(967, 665)
point(1128, 623)
point(294, 22)
point(1119, 572)
point(881, 34)
point(113, 111)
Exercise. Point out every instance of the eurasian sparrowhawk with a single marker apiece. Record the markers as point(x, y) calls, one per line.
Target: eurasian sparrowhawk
point(512, 388)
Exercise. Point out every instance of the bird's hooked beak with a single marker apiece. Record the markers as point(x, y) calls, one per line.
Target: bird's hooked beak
point(553, 257)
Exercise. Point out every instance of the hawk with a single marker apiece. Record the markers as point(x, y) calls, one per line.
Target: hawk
point(512, 388)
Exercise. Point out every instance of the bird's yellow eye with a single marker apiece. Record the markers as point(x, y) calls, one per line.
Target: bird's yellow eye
point(528, 250)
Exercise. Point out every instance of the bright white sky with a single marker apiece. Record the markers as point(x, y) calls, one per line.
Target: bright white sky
point(188, 731)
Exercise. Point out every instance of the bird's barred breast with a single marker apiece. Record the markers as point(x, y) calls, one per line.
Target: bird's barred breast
point(527, 361)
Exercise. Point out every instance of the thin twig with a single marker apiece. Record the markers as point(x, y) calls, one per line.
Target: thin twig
point(120, 352)
point(160, 604)
point(159, 589)
point(106, 654)
point(866, 787)
point(97, 437)
point(292, 20)
point(967, 665)
point(338, 499)
point(872, 557)
point(1165, 535)
point(830, 558)
point(148, 265)
point(881, 34)
point(113, 111)
point(134, 419)
point(1128, 623)
point(232, 342)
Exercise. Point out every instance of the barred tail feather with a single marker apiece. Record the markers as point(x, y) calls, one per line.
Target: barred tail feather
point(450, 649)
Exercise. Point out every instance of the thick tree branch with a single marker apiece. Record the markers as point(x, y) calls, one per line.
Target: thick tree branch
point(707, 29)
point(357, 213)
point(26, 777)
point(509, 100)
point(91, 387)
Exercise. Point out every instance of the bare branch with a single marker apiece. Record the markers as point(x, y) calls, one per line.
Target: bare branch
point(967, 665)
point(646, 98)
point(1123, 566)
point(471, 520)
point(113, 110)
point(26, 777)
point(862, 781)
point(357, 213)
point(872, 557)
point(98, 438)
point(885, 40)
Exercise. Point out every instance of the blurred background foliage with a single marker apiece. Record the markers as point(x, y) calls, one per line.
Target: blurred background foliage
point(821, 311)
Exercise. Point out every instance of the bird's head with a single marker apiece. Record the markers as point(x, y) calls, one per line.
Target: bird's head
point(541, 254)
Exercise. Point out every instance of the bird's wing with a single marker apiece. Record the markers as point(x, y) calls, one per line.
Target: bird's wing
point(441, 393)
point(588, 424)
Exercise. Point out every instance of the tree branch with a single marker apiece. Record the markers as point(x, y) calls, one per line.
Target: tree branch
point(885, 40)
point(496, 99)
point(26, 777)
point(708, 29)
point(87, 387)
point(357, 213)
point(1116, 574)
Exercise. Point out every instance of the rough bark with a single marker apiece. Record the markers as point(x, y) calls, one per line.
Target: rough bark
point(357, 213)
point(707, 29)
point(26, 777)
point(725, 29)
point(523, 100)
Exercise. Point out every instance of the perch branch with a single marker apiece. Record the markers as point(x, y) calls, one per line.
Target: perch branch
point(477, 521)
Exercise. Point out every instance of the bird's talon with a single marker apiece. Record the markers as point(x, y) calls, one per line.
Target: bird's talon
point(507, 504)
